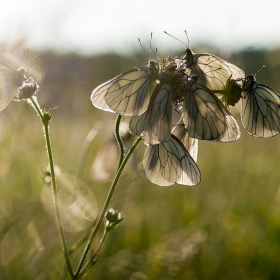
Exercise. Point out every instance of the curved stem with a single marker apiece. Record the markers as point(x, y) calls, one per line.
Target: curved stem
point(45, 122)
point(36, 107)
point(119, 139)
point(93, 258)
point(106, 204)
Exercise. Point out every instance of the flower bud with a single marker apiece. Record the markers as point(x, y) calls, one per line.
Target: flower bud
point(28, 89)
point(112, 219)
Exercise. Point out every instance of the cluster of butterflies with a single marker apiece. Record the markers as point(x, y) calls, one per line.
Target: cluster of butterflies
point(199, 86)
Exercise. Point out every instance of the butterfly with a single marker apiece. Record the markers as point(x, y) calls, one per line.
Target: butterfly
point(10, 81)
point(14, 84)
point(205, 117)
point(168, 163)
point(129, 93)
point(213, 71)
point(260, 108)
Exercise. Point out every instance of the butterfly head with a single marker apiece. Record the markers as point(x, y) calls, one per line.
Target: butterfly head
point(249, 82)
point(189, 57)
point(21, 70)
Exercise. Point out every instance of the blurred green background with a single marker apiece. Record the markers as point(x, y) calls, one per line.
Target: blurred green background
point(227, 227)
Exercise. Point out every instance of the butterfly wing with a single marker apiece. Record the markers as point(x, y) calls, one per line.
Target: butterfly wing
point(191, 144)
point(10, 81)
point(136, 124)
point(236, 72)
point(213, 71)
point(206, 118)
point(127, 94)
point(168, 163)
point(260, 112)
point(157, 127)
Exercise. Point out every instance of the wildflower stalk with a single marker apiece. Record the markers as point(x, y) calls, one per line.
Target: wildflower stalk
point(45, 119)
point(94, 256)
point(119, 139)
point(107, 201)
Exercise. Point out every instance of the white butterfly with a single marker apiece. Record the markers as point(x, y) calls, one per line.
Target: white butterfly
point(212, 71)
point(205, 117)
point(260, 112)
point(168, 163)
point(129, 93)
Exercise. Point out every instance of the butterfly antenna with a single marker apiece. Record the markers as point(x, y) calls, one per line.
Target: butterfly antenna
point(259, 70)
point(143, 48)
point(150, 46)
point(175, 38)
point(34, 57)
point(187, 38)
point(24, 58)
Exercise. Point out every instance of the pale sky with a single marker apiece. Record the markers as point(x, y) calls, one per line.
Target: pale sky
point(90, 26)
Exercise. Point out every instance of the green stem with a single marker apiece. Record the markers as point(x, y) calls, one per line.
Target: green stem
point(106, 204)
point(218, 91)
point(119, 139)
point(45, 122)
point(36, 107)
point(93, 258)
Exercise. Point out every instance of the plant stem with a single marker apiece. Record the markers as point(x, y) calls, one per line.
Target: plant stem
point(106, 204)
point(93, 258)
point(119, 140)
point(45, 122)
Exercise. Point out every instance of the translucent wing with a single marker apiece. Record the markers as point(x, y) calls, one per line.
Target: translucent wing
point(206, 118)
point(136, 124)
point(157, 127)
point(236, 72)
point(213, 71)
point(10, 81)
point(260, 113)
point(232, 131)
point(127, 94)
point(191, 144)
point(168, 163)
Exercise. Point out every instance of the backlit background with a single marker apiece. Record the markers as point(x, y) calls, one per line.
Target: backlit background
point(226, 227)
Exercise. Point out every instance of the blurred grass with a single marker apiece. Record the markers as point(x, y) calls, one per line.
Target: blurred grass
point(212, 231)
